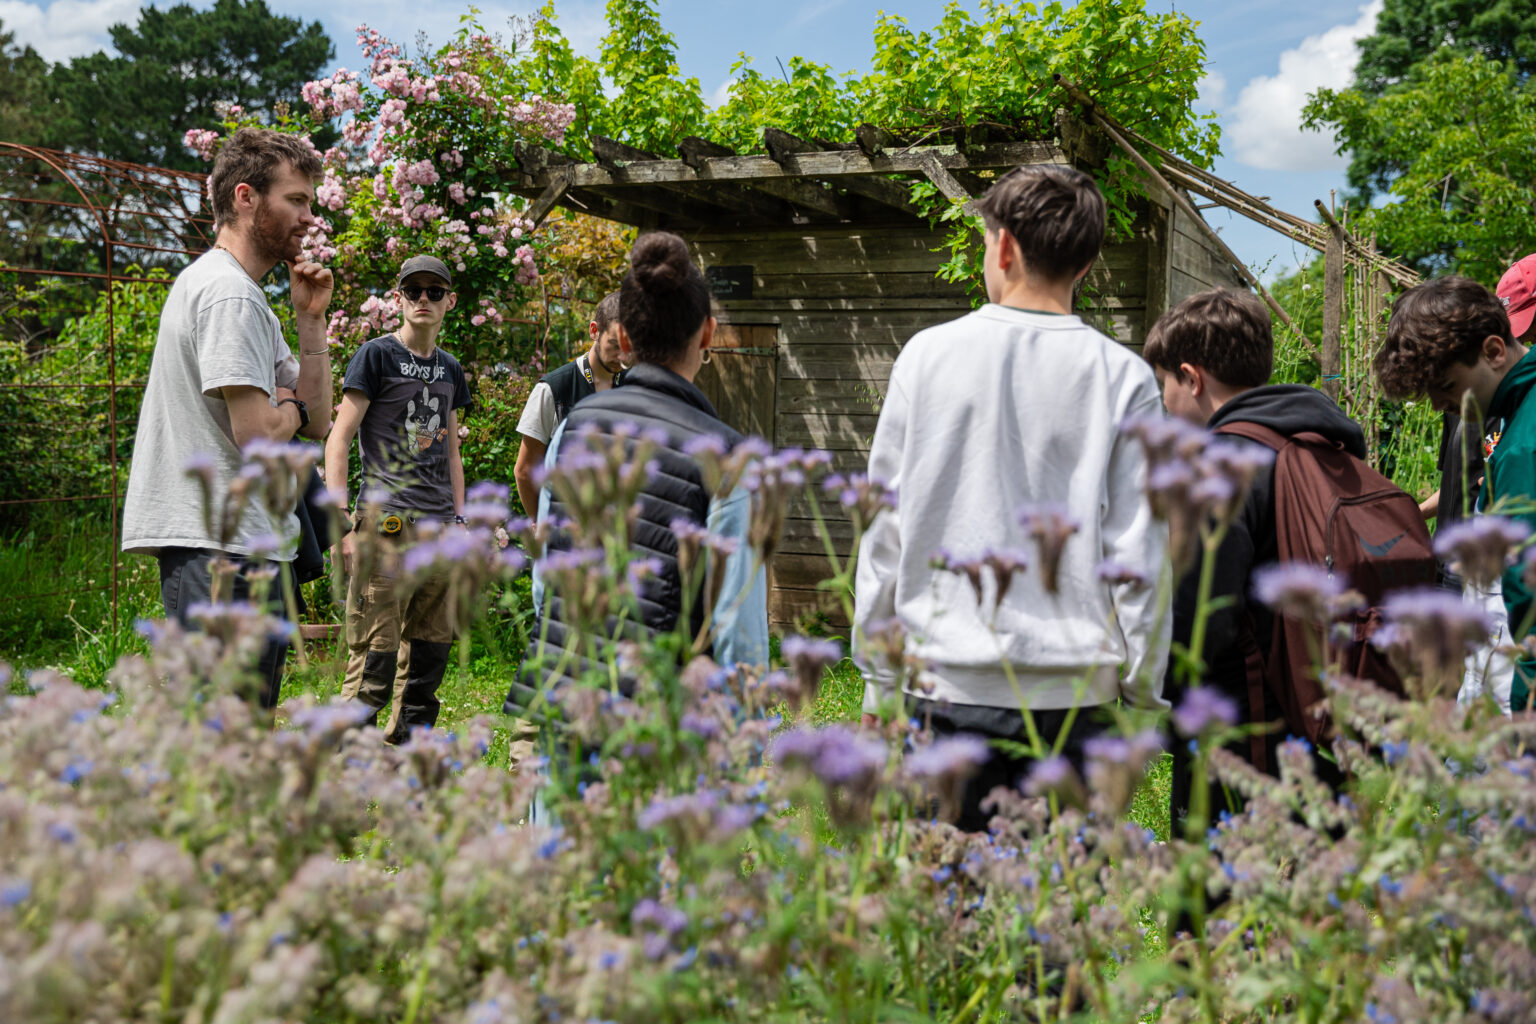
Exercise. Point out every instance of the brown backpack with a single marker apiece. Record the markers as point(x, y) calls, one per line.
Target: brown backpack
point(1332, 509)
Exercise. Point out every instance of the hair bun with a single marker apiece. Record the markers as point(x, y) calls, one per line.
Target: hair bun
point(660, 260)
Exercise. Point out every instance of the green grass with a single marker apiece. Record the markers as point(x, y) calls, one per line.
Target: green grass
point(70, 629)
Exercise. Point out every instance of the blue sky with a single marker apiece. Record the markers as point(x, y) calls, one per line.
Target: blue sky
point(1264, 57)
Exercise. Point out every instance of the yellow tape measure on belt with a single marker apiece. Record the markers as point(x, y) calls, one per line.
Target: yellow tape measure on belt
point(391, 525)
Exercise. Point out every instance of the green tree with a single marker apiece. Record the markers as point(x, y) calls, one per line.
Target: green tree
point(1408, 32)
point(177, 66)
point(23, 92)
point(653, 105)
point(1458, 132)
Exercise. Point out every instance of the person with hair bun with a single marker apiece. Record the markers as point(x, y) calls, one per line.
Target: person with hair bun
point(665, 330)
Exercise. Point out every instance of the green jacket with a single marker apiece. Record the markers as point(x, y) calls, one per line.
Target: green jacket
point(1511, 473)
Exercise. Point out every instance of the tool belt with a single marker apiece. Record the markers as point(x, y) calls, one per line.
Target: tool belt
point(389, 523)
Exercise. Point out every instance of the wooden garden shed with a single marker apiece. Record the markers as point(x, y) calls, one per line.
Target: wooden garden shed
point(822, 268)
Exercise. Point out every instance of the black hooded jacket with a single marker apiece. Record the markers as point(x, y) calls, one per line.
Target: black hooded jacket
point(1250, 543)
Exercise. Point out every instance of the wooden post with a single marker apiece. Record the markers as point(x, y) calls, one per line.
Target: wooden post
point(1333, 314)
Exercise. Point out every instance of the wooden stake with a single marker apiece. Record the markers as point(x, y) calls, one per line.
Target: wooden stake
point(1333, 306)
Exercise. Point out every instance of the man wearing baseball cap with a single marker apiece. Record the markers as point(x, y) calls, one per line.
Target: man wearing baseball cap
point(401, 398)
point(1454, 341)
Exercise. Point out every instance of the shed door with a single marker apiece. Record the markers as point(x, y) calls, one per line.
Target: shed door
point(741, 377)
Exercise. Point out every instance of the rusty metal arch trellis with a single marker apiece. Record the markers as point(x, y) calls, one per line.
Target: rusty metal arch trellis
point(77, 227)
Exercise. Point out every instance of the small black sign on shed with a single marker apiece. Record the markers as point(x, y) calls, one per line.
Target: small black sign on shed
point(733, 282)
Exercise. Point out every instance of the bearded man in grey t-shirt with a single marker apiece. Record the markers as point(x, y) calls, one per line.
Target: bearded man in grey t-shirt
point(222, 376)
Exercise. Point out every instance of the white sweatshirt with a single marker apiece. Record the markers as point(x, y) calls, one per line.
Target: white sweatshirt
point(999, 410)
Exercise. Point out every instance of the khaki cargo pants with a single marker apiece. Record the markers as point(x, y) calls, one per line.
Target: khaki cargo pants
point(398, 640)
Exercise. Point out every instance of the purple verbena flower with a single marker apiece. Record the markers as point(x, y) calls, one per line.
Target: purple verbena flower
point(835, 754)
point(664, 918)
point(701, 725)
point(1203, 709)
point(1050, 526)
point(489, 491)
point(1053, 774)
point(954, 755)
point(809, 658)
point(1430, 632)
point(1481, 548)
point(1297, 589)
point(1117, 574)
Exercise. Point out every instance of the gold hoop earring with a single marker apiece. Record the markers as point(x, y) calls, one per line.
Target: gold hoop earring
point(707, 357)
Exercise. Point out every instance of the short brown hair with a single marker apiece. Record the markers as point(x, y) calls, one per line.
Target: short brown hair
point(254, 157)
point(1434, 325)
point(607, 312)
point(1224, 332)
point(1054, 212)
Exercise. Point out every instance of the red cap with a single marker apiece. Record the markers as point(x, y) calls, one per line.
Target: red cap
point(1517, 290)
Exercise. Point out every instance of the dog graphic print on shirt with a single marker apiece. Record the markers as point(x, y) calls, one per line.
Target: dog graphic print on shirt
point(404, 432)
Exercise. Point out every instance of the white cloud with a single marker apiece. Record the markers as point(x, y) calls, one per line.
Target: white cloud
point(811, 11)
point(1264, 126)
point(722, 94)
point(67, 28)
point(1211, 90)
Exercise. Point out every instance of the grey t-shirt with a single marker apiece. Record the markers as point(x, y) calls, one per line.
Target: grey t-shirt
point(216, 331)
point(404, 433)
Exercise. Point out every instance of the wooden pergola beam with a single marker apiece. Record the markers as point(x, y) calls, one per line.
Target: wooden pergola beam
point(803, 197)
point(671, 206)
point(874, 140)
point(786, 150)
point(737, 199)
point(626, 212)
point(824, 164)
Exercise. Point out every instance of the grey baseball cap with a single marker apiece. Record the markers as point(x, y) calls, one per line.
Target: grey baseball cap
point(424, 265)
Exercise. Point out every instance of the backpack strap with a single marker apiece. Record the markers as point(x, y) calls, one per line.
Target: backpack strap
point(1257, 674)
point(1266, 436)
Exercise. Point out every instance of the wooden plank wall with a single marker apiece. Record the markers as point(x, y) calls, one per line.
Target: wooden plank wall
point(1124, 284)
point(1194, 264)
point(844, 302)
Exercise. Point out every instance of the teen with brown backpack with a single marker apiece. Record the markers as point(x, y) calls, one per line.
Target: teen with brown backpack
point(1319, 504)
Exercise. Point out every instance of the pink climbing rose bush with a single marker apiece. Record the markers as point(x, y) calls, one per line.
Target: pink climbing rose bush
point(416, 170)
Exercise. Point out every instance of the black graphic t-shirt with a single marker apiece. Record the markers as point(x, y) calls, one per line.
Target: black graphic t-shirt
point(404, 433)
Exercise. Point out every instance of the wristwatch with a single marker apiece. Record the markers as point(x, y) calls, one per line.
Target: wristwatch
point(303, 412)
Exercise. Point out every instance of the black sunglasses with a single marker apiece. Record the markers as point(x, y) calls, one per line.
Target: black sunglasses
point(435, 292)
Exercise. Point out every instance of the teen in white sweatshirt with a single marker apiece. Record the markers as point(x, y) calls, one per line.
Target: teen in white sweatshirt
point(1017, 407)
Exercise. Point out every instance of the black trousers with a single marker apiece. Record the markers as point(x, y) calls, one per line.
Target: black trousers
point(186, 579)
point(1003, 723)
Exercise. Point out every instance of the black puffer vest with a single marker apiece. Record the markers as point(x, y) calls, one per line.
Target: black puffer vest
point(568, 385)
point(648, 396)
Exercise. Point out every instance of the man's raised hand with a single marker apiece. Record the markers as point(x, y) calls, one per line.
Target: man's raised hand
point(311, 286)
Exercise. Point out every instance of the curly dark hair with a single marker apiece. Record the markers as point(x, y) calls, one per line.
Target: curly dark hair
point(1226, 333)
point(1435, 325)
